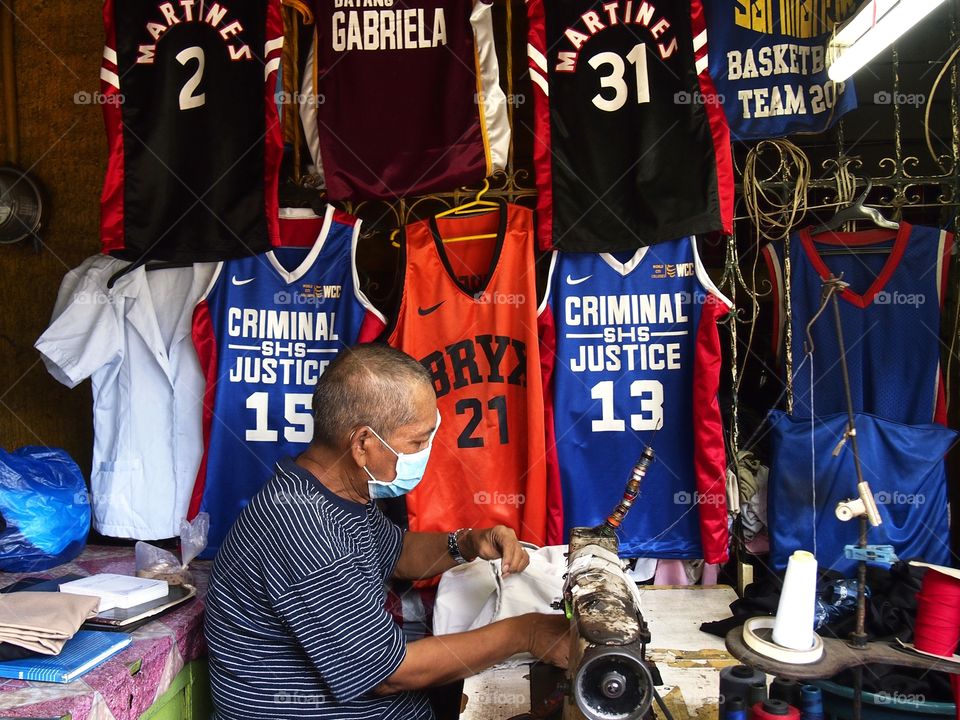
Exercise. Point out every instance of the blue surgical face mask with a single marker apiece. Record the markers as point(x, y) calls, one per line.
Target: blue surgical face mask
point(410, 469)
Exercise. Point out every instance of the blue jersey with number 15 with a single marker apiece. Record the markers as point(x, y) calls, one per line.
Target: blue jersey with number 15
point(265, 330)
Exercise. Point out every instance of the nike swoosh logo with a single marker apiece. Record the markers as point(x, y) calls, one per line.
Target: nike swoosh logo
point(571, 281)
point(427, 311)
point(240, 282)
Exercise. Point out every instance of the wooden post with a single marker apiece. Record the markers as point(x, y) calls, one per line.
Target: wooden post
point(8, 80)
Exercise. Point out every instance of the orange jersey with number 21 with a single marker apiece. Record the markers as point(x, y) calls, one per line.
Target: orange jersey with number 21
point(469, 313)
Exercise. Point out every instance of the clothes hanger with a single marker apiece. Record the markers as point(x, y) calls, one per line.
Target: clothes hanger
point(148, 265)
point(142, 260)
point(475, 206)
point(857, 210)
point(167, 265)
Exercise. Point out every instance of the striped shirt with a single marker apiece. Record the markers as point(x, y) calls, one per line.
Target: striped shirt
point(296, 623)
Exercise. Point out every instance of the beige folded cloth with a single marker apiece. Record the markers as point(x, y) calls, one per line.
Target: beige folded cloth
point(43, 621)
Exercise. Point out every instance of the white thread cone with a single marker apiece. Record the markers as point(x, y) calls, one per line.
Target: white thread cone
point(793, 627)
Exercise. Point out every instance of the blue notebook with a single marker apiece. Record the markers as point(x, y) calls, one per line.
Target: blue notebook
point(83, 652)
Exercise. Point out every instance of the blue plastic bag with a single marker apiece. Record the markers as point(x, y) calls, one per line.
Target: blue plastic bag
point(44, 502)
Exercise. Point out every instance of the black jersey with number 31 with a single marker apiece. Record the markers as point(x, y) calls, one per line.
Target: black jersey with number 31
point(631, 145)
point(187, 91)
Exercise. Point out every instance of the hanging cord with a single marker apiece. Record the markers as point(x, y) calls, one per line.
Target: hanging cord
point(846, 186)
point(829, 289)
point(933, 91)
point(731, 275)
point(846, 183)
point(773, 218)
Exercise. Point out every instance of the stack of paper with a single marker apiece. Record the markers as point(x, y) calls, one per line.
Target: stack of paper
point(117, 591)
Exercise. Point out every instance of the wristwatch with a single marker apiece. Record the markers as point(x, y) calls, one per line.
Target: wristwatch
point(453, 545)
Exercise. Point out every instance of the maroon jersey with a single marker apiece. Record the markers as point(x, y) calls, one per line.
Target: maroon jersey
point(408, 97)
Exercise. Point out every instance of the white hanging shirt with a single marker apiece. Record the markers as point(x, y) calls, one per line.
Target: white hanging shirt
point(134, 343)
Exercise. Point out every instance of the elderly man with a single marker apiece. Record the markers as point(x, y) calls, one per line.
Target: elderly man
point(295, 621)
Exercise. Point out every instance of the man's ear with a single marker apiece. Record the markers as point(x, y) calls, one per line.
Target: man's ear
point(360, 443)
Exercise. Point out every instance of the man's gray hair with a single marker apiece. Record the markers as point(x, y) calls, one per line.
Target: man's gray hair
point(367, 384)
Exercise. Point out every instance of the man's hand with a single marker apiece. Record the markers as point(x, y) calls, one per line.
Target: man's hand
point(439, 660)
point(549, 637)
point(497, 542)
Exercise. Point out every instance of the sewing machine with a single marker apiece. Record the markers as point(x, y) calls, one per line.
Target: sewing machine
point(608, 678)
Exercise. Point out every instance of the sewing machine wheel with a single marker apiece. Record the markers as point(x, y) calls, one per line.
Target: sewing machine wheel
point(612, 684)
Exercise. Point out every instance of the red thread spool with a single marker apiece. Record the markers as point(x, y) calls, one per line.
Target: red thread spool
point(775, 710)
point(937, 629)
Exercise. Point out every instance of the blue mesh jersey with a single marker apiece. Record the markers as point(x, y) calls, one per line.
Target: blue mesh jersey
point(890, 315)
point(265, 330)
point(768, 62)
point(635, 345)
point(904, 465)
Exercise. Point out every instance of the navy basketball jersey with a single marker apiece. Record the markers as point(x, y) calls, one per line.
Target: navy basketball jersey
point(890, 314)
point(265, 330)
point(904, 465)
point(192, 128)
point(631, 147)
point(768, 61)
point(408, 99)
point(637, 352)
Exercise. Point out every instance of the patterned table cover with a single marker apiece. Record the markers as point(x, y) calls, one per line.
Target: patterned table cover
point(110, 691)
